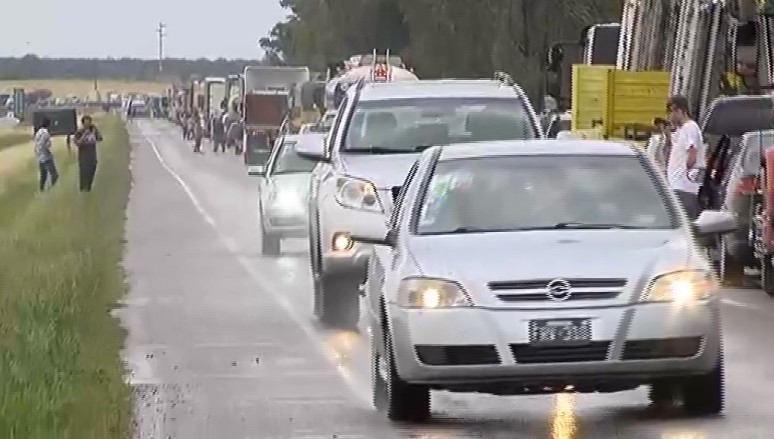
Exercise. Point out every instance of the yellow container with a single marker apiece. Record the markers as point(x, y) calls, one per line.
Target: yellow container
point(624, 102)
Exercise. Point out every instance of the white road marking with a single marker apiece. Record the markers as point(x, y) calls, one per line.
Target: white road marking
point(269, 288)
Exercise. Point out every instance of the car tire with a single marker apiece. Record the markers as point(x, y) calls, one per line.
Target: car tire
point(271, 243)
point(400, 400)
point(705, 394)
point(336, 302)
point(663, 392)
point(767, 275)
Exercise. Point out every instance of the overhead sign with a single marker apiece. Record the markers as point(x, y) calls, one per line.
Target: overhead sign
point(19, 103)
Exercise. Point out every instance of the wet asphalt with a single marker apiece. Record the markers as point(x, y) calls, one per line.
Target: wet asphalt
point(221, 343)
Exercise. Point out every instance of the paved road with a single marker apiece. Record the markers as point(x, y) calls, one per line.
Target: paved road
point(222, 346)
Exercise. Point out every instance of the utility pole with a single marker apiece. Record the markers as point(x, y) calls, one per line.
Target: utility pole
point(160, 31)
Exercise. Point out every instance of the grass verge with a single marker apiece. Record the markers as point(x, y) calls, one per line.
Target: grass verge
point(11, 137)
point(61, 375)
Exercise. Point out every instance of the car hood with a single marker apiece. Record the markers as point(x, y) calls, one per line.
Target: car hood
point(383, 170)
point(477, 259)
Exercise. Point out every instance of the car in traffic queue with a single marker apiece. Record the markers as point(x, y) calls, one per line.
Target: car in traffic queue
point(525, 268)
point(326, 121)
point(378, 132)
point(743, 198)
point(728, 119)
point(282, 188)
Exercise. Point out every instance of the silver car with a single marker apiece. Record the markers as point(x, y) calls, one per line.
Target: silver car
point(378, 133)
point(283, 190)
point(524, 267)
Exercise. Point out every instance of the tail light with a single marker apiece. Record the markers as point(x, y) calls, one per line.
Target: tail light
point(747, 185)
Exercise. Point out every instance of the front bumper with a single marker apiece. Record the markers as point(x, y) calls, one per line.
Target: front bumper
point(289, 225)
point(480, 346)
point(337, 219)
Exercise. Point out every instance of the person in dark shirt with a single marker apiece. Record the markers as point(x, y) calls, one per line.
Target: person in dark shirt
point(86, 138)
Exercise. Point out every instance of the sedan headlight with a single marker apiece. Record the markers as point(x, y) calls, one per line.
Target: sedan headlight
point(355, 193)
point(682, 286)
point(428, 293)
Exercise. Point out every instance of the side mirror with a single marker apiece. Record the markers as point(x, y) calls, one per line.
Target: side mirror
point(549, 104)
point(715, 222)
point(312, 150)
point(256, 171)
point(374, 234)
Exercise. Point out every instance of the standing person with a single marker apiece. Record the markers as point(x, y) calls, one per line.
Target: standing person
point(87, 138)
point(44, 155)
point(198, 132)
point(218, 133)
point(686, 152)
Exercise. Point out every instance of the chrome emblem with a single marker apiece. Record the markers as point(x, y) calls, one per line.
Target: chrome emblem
point(558, 290)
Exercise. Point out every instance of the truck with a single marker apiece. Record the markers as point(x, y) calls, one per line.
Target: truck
point(214, 97)
point(370, 68)
point(268, 99)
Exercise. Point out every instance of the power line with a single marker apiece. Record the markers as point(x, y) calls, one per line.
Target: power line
point(162, 34)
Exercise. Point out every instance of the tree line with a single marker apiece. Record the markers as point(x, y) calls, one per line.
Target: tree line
point(34, 67)
point(439, 38)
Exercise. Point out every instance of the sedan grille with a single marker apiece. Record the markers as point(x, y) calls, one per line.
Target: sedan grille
point(535, 290)
point(535, 284)
point(457, 355)
point(530, 354)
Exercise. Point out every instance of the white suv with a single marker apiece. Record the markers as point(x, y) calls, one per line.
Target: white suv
point(379, 131)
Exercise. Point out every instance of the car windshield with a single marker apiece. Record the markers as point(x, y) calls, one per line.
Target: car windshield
point(288, 161)
point(542, 192)
point(411, 125)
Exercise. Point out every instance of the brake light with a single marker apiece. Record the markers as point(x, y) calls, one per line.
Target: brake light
point(747, 185)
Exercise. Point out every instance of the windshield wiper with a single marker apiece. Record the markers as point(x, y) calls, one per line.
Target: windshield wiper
point(577, 225)
point(557, 226)
point(389, 150)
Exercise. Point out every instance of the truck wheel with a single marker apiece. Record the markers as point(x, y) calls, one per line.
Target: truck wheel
point(705, 394)
point(336, 300)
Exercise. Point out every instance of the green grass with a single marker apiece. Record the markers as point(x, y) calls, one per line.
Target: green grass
point(13, 137)
point(61, 374)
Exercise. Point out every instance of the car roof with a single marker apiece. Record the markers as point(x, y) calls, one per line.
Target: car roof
point(535, 147)
point(473, 88)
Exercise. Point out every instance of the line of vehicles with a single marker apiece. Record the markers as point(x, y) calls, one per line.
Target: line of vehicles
point(483, 257)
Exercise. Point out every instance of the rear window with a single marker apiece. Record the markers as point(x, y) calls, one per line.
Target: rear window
point(410, 125)
point(734, 117)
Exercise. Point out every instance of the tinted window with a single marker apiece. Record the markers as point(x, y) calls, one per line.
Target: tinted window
point(409, 125)
point(288, 161)
point(513, 193)
point(604, 46)
point(734, 117)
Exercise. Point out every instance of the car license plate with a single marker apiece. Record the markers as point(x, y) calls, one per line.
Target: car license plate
point(560, 331)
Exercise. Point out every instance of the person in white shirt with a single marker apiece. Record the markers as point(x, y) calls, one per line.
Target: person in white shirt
point(44, 156)
point(686, 152)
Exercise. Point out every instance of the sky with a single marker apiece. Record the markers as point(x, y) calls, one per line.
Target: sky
point(127, 28)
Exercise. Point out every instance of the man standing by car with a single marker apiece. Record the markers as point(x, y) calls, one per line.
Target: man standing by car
point(686, 152)
point(87, 138)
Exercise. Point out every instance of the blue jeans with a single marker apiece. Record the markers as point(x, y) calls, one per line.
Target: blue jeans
point(47, 169)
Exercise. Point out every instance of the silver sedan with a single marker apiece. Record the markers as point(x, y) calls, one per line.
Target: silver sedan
point(283, 191)
point(527, 267)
